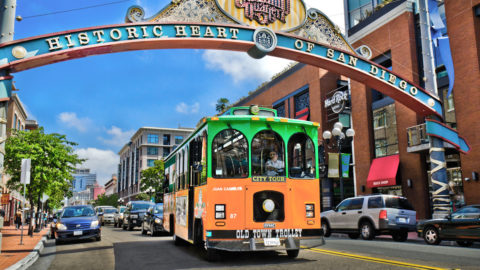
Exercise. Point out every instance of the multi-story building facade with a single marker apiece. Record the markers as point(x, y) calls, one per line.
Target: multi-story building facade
point(111, 186)
point(82, 179)
point(387, 131)
point(146, 145)
point(16, 120)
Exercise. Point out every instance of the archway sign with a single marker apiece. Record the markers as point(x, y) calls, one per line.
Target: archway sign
point(282, 28)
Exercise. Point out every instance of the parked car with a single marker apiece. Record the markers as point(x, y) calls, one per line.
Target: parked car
point(153, 220)
point(99, 212)
point(462, 226)
point(77, 222)
point(134, 213)
point(108, 215)
point(118, 217)
point(368, 216)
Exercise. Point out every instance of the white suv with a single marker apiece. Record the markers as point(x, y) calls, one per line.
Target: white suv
point(371, 215)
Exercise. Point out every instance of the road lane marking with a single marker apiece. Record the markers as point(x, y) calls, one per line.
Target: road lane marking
point(372, 259)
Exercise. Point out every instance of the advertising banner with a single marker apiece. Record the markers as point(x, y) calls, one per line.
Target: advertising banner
point(333, 171)
point(345, 158)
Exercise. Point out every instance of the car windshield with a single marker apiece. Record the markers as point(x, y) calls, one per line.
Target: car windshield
point(158, 209)
point(140, 206)
point(78, 211)
point(398, 203)
point(110, 210)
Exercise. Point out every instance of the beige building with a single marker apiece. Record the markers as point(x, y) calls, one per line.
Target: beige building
point(146, 145)
point(111, 186)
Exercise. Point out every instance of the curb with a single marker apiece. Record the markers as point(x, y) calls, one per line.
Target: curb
point(30, 258)
point(379, 237)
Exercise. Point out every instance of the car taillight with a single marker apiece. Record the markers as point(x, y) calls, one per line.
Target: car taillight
point(383, 214)
point(219, 211)
point(310, 210)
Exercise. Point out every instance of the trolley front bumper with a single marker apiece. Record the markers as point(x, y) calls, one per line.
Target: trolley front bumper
point(258, 242)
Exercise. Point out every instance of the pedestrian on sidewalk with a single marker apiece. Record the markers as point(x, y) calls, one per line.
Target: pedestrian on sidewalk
point(18, 220)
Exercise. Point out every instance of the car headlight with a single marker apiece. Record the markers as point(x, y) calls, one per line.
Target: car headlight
point(94, 224)
point(121, 215)
point(61, 227)
point(158, 221)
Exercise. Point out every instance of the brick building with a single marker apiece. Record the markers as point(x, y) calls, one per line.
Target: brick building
point(384, 127)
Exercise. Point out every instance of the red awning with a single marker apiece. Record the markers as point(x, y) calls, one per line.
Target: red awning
point(383, 171)
point(302, 114)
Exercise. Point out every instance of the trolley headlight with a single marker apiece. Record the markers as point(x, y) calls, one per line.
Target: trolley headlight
point(310, 210)
point(254, 109)
point(61, 227)
point(219, 211)
point(158, 221)
point(268, 206)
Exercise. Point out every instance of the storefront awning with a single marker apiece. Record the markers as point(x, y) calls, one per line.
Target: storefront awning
point(383, 171)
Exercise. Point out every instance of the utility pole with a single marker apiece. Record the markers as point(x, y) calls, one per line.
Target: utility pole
point(438, 167)
point(7, 21)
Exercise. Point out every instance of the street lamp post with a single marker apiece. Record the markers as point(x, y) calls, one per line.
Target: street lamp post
point(120, 201)
point(150, 191)
point(340, 138)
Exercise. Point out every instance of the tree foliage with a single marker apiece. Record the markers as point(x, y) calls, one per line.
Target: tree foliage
point(153, 177)
point(222, 104)
point(107, 200)
point(52, 163)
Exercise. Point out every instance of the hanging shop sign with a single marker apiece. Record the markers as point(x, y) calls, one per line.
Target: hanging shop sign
point(337, 102)
point(5, 198)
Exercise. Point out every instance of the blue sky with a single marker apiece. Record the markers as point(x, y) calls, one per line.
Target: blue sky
point(100, 101)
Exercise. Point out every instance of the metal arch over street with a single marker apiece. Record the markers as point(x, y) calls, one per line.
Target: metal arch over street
point(43, 50)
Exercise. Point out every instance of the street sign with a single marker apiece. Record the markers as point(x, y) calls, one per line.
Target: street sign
point(45, 198)
point(25, 176)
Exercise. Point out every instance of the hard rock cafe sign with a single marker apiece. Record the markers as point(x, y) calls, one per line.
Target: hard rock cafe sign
point(337, 101)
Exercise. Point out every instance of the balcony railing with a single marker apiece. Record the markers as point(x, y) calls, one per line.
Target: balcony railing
point(417, 135)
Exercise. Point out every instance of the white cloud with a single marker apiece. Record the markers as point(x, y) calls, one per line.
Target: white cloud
point(183, 108)
point(241, 66)
point(102, 162)
point(71, 120)
point(118, 137)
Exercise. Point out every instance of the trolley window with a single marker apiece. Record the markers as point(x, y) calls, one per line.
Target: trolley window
point(268, 154)
point(230, 155)
point(301, 157)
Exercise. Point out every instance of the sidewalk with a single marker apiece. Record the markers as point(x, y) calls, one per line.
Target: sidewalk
point(12, 252)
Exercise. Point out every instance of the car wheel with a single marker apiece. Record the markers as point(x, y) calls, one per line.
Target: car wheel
point(464, 243)
point(114, 224)
point(152, 231)
point(98, 238)
point(353, 235)
point(326, 228)
point(401, 236)
point(293, 253)
point(366, 231)
point(431, 237)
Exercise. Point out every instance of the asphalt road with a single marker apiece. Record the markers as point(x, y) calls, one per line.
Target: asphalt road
point(120, 249)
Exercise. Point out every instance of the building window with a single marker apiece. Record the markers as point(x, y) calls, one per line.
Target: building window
point(14, 121)
point(359, 10)
point(178, 139)
point(152, 150)
point(152, 138)
point(379, 119)
point(166, 151)
point(166, 139)
point(302, 101)
point(450, 103)
point(150, 162)
point(380, 148)
point(280, 109)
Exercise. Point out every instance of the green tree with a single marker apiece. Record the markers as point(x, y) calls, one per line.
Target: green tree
point(52, 163)
point(142, 197)
point(153, 177)
point(222, 104)
point(107, 200)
